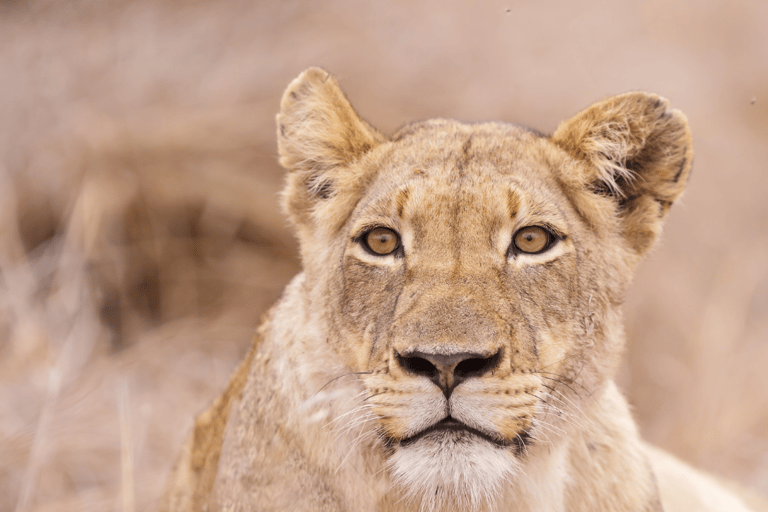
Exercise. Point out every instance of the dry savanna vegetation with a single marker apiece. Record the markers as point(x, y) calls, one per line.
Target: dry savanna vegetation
point(140, 238)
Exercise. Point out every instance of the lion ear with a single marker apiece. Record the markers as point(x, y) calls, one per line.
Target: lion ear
point(319, 137)
point(637, 153)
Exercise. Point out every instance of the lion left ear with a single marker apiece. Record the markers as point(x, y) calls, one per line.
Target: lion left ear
point(638, 153)
point(320, 137)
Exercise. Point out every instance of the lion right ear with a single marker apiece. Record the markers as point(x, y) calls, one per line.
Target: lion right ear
point(635, 155)
point(320, 137)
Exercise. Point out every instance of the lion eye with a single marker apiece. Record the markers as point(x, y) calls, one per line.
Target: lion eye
point(382, 241)
point(532, 239)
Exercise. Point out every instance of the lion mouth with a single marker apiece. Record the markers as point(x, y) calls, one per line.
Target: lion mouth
point(451, 425)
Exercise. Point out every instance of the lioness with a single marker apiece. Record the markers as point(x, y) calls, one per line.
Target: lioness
point(452, 342)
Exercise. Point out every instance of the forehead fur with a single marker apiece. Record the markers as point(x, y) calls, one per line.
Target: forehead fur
point(438, 159)
point(452, 144)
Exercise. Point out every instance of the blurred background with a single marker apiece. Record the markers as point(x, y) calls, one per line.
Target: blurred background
point(141, 240)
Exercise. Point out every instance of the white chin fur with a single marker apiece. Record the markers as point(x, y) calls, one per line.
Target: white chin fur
point(452, 471)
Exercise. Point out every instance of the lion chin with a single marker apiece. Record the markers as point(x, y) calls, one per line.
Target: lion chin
point(452, 469)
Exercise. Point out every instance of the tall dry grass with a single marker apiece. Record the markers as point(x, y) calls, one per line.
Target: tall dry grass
point(140, 238)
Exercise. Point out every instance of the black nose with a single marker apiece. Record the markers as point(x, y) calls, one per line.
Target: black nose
point(448, 371)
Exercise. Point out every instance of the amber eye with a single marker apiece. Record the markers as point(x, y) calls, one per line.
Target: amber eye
point(532, 239)
point(382, 241)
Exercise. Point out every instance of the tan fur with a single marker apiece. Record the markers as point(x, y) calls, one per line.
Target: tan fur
point(333, 408)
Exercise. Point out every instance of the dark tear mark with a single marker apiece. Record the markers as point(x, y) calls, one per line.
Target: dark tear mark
point(294, 95)
point(282, 129)
point(680, 171)
point(396, 302)
point(531, 332)
point(391, 320)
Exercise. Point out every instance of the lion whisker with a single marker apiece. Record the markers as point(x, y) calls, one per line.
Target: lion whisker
point(362, 436)
point(585, 422)
point(337, 378)
point(573, 381)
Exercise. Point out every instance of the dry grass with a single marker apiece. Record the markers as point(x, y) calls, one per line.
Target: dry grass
point(140, 238)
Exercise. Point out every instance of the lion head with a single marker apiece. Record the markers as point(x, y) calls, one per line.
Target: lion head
point(471, 275)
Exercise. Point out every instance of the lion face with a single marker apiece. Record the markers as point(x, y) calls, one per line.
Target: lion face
point(461, 301)
point(471, 275)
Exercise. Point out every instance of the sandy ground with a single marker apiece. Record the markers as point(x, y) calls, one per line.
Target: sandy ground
point(140, 239)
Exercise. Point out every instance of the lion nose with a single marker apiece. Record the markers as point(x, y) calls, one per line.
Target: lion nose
point(448, 371)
